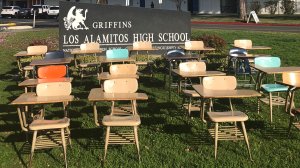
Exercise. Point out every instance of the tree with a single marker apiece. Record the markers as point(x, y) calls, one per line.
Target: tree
point(102, 2)
point(178, 4)
point(243, 14)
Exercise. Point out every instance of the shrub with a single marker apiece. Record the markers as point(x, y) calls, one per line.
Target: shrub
point(271, 6)
point(288, 7)
point(255, 6)
point(213, 41)
point(52, 43)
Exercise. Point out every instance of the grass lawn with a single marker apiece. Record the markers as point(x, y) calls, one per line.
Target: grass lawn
point(168, 137)
point(277, 19)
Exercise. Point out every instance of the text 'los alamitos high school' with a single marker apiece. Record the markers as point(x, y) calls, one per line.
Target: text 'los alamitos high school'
point(123, 38)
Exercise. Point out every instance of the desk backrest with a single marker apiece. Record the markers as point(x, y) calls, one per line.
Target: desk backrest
point(192, 67)
point(54, 89)
point(90, 46)
point(237, 51)
point(117, 54)
point(123, 69)
point(37, 50)
point(267, 61)
point(52, 71)
point(291, 77)
point(125, 85)
point(243, 43)
point(142, 45)
point(219, 82)
point(54, 54)
point(194, 45)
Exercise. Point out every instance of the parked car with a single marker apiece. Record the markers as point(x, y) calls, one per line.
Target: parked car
point(11, 11)
point(41, 10)
point(24, 13)
point(53, 11)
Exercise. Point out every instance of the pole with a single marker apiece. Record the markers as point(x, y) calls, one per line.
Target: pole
point(33, 26)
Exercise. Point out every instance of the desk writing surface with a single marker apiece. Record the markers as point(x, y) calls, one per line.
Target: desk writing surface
point(57, 61)
point(33, 82)
point(25, 54)
point(97, 94)
point(107, 75)
point(276, 70)
point(79, 51)
point(238, 93)
point(254, 47)
point(105, 60)
point(249, 55)
point(130, 48)
point(198, 49)
point(197, 74)
point(32, 98)
point(170, 58)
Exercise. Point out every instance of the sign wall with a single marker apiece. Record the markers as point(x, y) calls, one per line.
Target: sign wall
point(120, 26)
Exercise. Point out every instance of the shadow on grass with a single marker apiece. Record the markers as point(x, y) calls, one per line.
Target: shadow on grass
point(271, 131)
point(202, 137)
point(151, 82)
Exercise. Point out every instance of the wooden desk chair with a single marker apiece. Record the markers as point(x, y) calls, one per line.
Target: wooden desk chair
point(272, 87)
point(38, 50)
point(52, 71)
point(123, 69)
point(191, 67)
point(243, 43)
point(293, 78)
point(116, 56)
point(120, 71)
point(144, 46)
point(88, 61)
point(240, 66)
point(224, 83)
point(47, 133)
point(120, 119)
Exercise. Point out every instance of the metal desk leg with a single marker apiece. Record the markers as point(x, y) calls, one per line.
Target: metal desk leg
point(202, 109)
point(170, 78)
point(75, 61)
point(95, 114)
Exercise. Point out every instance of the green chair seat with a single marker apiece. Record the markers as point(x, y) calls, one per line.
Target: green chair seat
point(274, 87)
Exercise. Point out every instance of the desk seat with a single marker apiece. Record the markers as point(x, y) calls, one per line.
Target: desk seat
point(110, 120)
point(28, 68)
point(274, 87)
point(227, 116)
point(144, 62)
point(41, 124)
point(190, 93)
point(85, 65)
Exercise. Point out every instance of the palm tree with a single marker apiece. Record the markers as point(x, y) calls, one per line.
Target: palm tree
point(243, 14)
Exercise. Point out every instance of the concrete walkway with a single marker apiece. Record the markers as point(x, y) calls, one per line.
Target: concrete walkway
point(266, 27)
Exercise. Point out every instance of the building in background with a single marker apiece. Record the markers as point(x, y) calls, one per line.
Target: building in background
point(194, 6)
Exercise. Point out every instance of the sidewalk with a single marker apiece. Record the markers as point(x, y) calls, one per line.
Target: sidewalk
point(244, 24)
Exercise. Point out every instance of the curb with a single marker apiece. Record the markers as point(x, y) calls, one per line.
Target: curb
point(19, 27)
point(8, 24)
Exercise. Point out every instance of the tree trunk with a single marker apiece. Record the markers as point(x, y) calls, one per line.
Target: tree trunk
point(102, 2)
point(178, 4)
point(243, 14)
